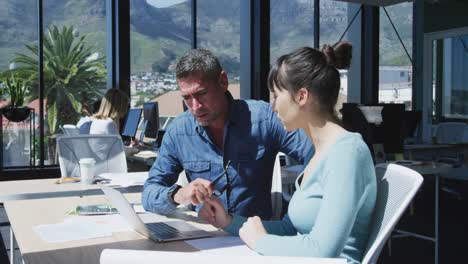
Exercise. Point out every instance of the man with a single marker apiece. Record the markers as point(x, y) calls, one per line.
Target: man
point(227, 147)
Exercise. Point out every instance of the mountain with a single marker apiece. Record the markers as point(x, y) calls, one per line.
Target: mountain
point(159, 36)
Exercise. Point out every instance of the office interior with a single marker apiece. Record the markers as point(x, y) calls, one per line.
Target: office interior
point(409, 55)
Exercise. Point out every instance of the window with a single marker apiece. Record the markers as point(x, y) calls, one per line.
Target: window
point(160, 33)
point(74, 71)
point(335, 17)
point(450, 79)
point(74, 77)
point(291, 26)
point(218, 29)
point(395, 69)
point(18, 25)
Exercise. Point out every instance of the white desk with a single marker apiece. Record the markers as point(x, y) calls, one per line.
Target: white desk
point(47, 188)
point(25, 214)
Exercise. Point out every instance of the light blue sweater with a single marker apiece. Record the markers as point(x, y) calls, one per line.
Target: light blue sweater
point(329, 215)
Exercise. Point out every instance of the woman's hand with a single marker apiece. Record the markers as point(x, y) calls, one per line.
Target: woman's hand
point(214, 213)
point(251, 231)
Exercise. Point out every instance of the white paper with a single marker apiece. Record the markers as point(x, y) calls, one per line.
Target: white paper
point(126, 179)
point(230, 245)
point(117, 256)
point(69, 231)
point(112, 223)
point(147, 152)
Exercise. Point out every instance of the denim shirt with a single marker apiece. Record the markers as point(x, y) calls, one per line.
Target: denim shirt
point(253, 135)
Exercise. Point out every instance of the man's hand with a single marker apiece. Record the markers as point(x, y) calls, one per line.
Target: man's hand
point(196, 192)
point(251, 231)
point(214, 213)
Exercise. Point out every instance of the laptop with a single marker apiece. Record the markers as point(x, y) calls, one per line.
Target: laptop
point(158, 232)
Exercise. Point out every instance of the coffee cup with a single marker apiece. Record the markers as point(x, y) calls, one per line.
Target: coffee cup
point(87, 170)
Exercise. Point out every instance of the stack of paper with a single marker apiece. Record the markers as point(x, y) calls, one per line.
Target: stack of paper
point(69, 231)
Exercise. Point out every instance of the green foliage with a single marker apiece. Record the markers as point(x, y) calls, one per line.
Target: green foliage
point(73, 74)
point(13, 88)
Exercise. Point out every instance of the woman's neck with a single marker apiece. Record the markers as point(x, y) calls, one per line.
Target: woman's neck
point(324, 135)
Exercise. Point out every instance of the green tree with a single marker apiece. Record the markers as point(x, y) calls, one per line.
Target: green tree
point(73, 76)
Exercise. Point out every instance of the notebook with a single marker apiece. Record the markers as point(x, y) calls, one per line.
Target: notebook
point(158, 232)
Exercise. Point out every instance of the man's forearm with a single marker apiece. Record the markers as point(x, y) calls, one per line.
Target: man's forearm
point(155, 199)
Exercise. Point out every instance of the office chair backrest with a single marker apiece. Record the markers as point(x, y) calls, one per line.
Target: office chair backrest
point(70, 130)
point(276, 190)
point(396, 187)
point(107, 150)
point(450, 132)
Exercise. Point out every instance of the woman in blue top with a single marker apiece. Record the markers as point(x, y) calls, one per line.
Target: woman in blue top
point(330, 212)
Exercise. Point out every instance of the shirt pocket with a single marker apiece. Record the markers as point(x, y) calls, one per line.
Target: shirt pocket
point(197, 169)
point(249, 165)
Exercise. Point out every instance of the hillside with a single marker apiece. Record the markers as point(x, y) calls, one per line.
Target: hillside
point(160, 35)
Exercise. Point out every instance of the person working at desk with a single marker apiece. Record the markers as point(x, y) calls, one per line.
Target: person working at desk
point(219, 134)
point(329, 214)
point(113, 107)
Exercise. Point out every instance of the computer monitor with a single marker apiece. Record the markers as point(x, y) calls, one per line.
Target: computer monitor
point(392, 128)
point(354, 120)
point(131, 122)
point(151, 119)
point(378, 124)
point(410, 122)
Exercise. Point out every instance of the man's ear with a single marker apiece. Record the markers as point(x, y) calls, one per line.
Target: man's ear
point(302, 96)
point(223, 81)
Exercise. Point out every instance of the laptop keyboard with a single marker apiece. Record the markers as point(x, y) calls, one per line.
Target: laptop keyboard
point(164, 231)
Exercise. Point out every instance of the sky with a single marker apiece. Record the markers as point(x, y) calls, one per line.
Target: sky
point(164, 3)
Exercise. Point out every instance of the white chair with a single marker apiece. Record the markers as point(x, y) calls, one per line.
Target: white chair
point(70, 130)
point(396, 187)
point(107, 150)
point(276, 190)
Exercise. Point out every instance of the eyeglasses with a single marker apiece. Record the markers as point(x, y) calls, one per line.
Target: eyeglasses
point(219, 192)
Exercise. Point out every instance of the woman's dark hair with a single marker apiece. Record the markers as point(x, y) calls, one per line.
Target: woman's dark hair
point(315, 70)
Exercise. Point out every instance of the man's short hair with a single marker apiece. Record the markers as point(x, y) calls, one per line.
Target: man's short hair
point(199, 61)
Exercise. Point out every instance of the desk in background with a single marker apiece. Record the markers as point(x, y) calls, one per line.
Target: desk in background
point(436, 169)
point(434, 150)
point(144, 157)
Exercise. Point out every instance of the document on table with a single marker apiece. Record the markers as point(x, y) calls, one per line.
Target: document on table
point(116, 256)
point(69, 231)
point(82, 227)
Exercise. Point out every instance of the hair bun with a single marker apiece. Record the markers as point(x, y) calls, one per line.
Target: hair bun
point(338, 55)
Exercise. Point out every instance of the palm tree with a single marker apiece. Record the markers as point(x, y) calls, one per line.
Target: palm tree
point(73, 75)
